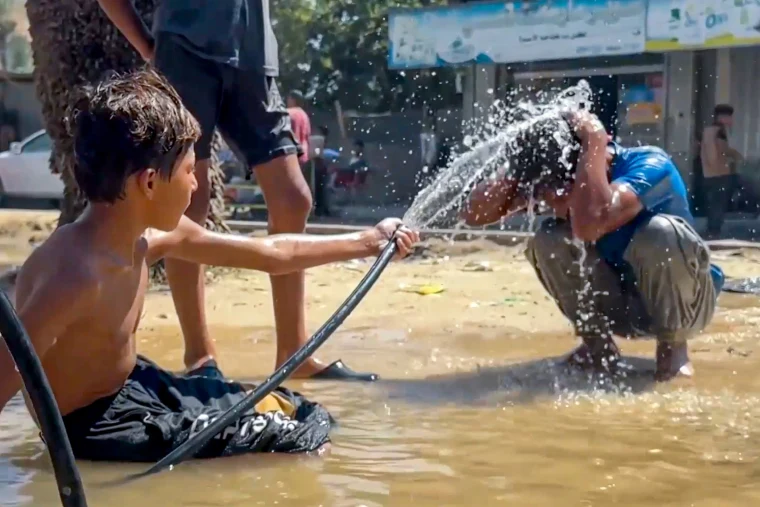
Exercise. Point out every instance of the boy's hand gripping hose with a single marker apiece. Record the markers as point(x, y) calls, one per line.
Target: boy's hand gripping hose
point(189, 448)
point(36, 384)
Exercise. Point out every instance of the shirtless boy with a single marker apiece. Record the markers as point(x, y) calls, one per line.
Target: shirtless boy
point(649, 271)
point(719, 162)
point(80, 295)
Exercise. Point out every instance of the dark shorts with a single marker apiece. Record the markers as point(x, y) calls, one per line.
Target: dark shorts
point(245, 106)
point(156, 411)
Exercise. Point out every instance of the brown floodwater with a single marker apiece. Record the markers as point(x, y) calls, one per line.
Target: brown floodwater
point(465, 418)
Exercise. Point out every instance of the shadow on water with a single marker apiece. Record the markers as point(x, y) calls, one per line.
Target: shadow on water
point(522, 383)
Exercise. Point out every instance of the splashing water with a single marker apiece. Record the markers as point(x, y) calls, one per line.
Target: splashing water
point(589, 320)
point(585, 302)
point(488, 152)
point(587, 297)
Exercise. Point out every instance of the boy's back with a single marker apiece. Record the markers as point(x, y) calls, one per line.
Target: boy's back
point(80, 295)
point(94, 353)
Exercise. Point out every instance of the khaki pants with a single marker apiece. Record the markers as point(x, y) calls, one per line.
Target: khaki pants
point(669, 292)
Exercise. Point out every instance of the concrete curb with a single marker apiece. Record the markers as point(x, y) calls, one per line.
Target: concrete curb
point(732, 244)
point(245, 226)
point(500, 236)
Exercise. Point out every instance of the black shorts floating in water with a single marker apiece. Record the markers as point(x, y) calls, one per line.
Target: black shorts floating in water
point(156, 411)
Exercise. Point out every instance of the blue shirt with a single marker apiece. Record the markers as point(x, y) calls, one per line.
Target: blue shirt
point(651, 174)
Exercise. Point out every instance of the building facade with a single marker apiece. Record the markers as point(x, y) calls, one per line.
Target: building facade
point(656, 67)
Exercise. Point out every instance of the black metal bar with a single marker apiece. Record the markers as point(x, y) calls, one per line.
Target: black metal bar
point(50, 420)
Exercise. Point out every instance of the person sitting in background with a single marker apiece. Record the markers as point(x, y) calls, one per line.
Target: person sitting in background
point(358, 163)
point(646, 271)
point(355, 174)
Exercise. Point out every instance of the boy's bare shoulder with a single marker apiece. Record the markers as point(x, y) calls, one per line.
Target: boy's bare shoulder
point(60, 267)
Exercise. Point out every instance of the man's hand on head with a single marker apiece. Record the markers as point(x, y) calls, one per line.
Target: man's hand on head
point(591, 194)
point(586, 125)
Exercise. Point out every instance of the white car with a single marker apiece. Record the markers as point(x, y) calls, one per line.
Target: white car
point(25, 170)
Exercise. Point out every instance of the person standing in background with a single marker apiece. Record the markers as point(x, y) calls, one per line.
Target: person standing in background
point(428, 147)
point(718, 167)
point(222, 58)
point(428, 154)
point(301, 126)
point(300, 123)
point(318, 143)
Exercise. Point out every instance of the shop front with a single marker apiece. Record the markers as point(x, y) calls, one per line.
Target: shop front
point(714, 58)
point(628, 92)
point(656, 67)
point(507, 49)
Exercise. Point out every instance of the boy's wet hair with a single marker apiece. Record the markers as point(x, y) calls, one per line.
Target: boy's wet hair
point(126, 124)
point(543, 154)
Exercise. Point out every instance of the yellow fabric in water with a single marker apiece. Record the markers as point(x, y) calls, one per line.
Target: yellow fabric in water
point(275, 402)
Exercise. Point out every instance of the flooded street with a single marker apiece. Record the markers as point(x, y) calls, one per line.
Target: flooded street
point(471, 408)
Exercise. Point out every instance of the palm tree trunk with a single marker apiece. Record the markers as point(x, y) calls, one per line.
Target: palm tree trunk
point(74, 43)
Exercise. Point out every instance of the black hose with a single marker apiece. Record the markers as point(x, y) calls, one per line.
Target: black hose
point(37, 387)
point(189, 448)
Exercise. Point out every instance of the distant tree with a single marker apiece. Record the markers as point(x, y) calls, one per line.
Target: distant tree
point(19, 54)
point(74, 43)
point(7, 26)
point(338, 50)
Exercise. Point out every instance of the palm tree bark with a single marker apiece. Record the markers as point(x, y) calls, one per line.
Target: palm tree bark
point(74, 43)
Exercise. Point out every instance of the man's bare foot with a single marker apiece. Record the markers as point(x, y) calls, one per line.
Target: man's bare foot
point(673, 361)
point(601, 356)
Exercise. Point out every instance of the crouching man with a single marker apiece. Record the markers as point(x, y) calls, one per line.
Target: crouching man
point(621, 256)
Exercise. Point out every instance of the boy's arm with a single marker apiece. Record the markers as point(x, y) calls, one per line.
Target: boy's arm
point(492, 200)
point(45, 314)
point(597, 207)
point(624, 205)
point(122, 13)
point(278, 254)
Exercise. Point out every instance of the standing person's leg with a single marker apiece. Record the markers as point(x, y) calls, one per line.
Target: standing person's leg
point(593, 301)
point(718, 194)
point(254, 120)
point(671, 264)
point(199, 84)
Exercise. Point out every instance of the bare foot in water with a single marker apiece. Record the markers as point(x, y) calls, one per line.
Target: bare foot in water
point(673, 361)
point(604, 356)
